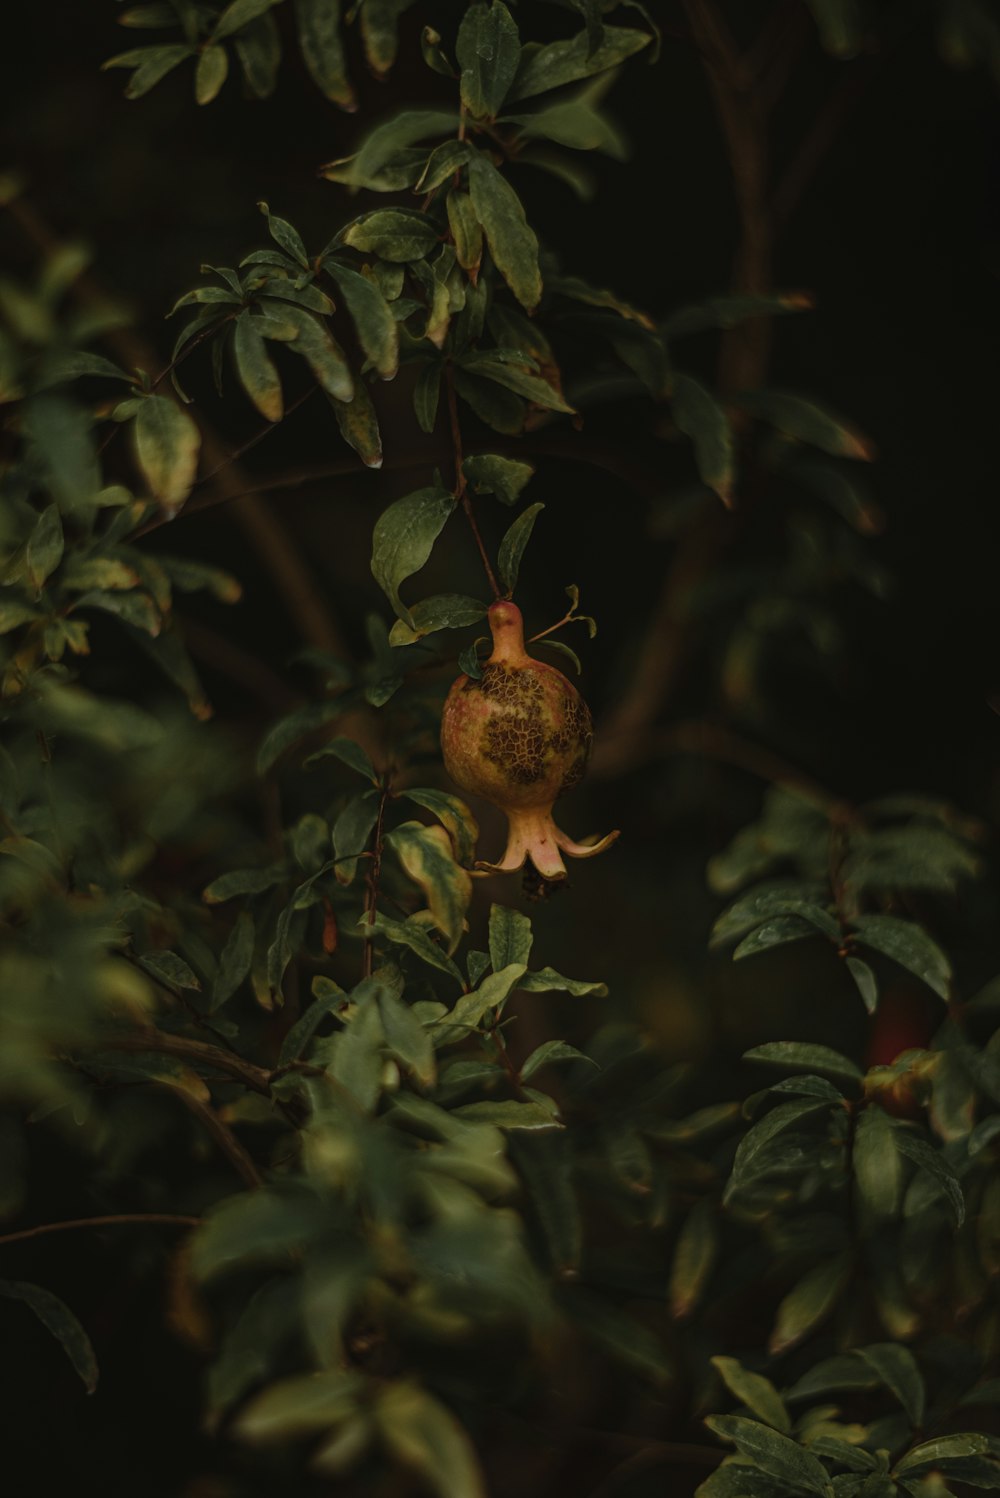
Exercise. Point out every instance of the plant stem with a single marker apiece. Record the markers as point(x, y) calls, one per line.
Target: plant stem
point(461, 491)
point(374, 870)
point(170, 1219)
point(198, 1052)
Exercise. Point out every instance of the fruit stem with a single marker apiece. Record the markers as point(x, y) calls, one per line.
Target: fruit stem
point(460, 490)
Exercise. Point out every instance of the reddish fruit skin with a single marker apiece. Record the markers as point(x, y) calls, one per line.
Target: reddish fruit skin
point(519, 736)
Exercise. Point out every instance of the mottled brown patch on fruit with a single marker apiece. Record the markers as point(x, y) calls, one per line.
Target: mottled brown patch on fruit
point(518, 737)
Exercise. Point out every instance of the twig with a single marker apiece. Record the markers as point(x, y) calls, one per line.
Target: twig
point(198, 1052)
point(374, 872)
point(169, 1219)
point(461, 490)
point(817, 142)
point(223, 1136)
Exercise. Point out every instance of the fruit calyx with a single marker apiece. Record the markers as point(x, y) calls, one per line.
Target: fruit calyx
point(519, 736)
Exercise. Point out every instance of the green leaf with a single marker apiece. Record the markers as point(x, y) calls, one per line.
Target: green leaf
point(242, 882)
point(755, 1391)
point(877, 1168)
point(426, 856)
point(499, 408)
point(510, 937)
point(944, 1449)
point(505, 477)
point(807, 422)
point(323, 49)
point(936, 1167)
point(58, 1319)
point(407, 1037)
point(290, 729)
point(234, 962)
point(403, 539)
point(699, 416)
point(808, 1304)
point(544, 1162)
point(756, 1142)
point(351, 832)
point(358, 425)
point(151, 65)
point(575, 123)
point(413, 935)
point(395, 234)
point(445, 611)
point(570, 61)
point(774, 898)
point(170, 969)
point(380, 32)
point(378, 332)
point(305, 1405)
point(897, 1368)
point(488, 52)
point(516, 378)
point(426, 393)
point(357, 1054)
point(423, 1434)
point(805, 1056)
point(387, 140)
point(548, 1053)
point(509, 1114)
point(910, 946)
point(238, 14)
point(512, 242)
point(839, 25)
point(455, 817)
point(466, 230)
point(513, 545)
point(349, 753)
point(774, 1453)
point(266, 1226)
point(167, 443)
point(45, 547)
point(61, 443)
point(321, 352)
point(547, 980)
point(774, 933)
point(210, 74)
point(695, 1255)
point(256, 370)
point(492, 993)
point(865, 981)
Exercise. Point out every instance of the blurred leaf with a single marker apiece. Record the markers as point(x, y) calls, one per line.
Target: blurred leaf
point(351, 833)
point(756, 1392)
point(512, 242)
point(700, 417)
point(570, 61)
point(466, 230)
point(422, 1434)
point(242, 882)
point(876, 1165)
point(412, 935)
point(210, 74)
point(349, 753)
point(935, 1167)
point(897, 1368)
point(807, 1305)
point(358, 423)
point(266, 1226)
point(426, 394)
point(305, 1405)
point(730, 311)
point(839, 26)
point(865, 980)
point(695, 1255)
point(380, 31)
point(57, 1318)
point(515, 378)
point(293, 727)
point(240, 13)
point(513, 545)
point(170, 969)
point(151, 64)
point(356, 1065)
point(323, 49)
point(776, 933)
point(807, 422)
point(508, 1114)
point(403, 539)
point(167, 443)
point(544, 1163)
point(45, 547)
point(407, 1038)
point(488, 51)
point(492, 993)
point(234, 962)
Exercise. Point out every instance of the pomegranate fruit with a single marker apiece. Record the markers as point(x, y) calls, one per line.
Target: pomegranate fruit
point(519, 736)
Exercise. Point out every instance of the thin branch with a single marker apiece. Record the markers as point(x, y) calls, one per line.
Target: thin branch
point(197, 1052)
point(821, 136)
point(461, 490)
point(116, 1219)
point(224, 1137)
point(374, 873)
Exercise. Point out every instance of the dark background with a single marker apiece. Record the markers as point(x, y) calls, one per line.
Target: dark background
point(898, 238)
